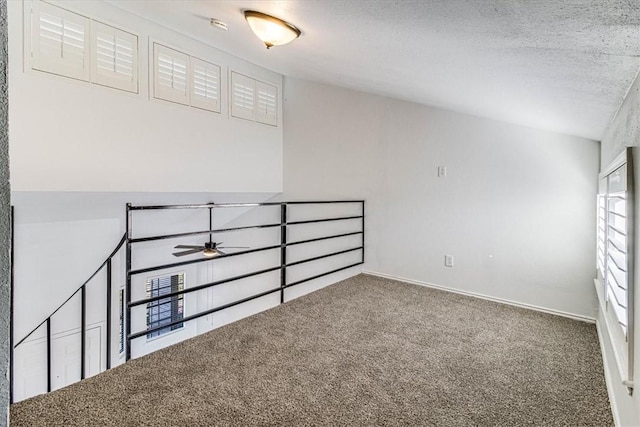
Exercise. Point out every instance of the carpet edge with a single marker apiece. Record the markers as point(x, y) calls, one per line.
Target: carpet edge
point(586, 319)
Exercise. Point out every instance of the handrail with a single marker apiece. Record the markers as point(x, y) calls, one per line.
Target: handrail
point(128, 241)
point(118, 247)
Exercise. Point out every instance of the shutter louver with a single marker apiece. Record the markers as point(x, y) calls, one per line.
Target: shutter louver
point(116, 58)
point(243, 96)
point(171, 71)
point(59, 41)
point(205, 85)
point(267, 104)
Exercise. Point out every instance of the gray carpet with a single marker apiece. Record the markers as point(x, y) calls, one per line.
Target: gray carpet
point(366, 351)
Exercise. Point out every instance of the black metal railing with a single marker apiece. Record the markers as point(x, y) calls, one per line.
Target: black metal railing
point(106, 265)
point(283, 226)
point(128, 241)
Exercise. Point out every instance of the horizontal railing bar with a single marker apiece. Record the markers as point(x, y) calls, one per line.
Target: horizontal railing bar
point(195, 261)
point(237, 205)
point(317, 239)
point(234, 278)
point(118, 247)
point(195, 233)
point(312, 221)
point(201, 287)
point(203, 313)
point(322, 202)
point(291, 264)
point(266, 248)
point(322, 275)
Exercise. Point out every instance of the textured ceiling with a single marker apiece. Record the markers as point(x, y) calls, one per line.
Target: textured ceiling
point(559, 65)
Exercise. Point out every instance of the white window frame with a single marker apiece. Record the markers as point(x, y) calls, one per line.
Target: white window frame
point(188, 97)
point(178, 297)
point(253, 113)
point(113, 79)
point(202, 102)
point(163, 92)
point(621, 335)
point(89, 72)
point(57, 66)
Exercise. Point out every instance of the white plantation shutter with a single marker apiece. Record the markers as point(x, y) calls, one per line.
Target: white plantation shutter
point(266, 103)
point(115, 54)
point(205, 85)
point(60, 42)
point(171, 71)
point(243, 98)
point(615, 260)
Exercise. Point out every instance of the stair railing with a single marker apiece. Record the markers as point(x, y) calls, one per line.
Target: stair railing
point(128, 240)
point(83, 319)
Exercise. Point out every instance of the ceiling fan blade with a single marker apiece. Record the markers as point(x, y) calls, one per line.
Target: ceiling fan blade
point(189, 247)
point(189, 252)
point(220, 252)
point(234, 247)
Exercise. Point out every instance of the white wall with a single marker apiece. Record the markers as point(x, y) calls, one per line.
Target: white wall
point(69, 135)
point(515, 209)
point(624, 131)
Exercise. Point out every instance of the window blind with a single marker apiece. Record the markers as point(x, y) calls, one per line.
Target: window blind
point(614, 260)
point(205, 81)
point(165, 310)
point(59, 41)
point(116, 57)
point(267, 103)
point(242, 96)
point(170, 74)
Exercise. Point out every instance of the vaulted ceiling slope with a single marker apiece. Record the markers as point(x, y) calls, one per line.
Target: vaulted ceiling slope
point(559, 65)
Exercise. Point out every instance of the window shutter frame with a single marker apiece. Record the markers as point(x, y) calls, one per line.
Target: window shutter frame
point(166, 62)
point(266, 103)
point(243, 96)
point(211, 73)
point(76, 63)
point(115, 79)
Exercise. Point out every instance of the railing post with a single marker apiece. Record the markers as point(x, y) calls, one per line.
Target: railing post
point(109, 313)
point(48, 354)
point(283, 250)
point(83, 327)
point(363, 231)
point(128, 284)
point(11, 302)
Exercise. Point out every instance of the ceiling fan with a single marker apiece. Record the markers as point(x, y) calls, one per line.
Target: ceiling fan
point(210, 249)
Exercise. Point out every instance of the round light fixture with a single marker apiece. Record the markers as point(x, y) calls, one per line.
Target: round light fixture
point(271, 30)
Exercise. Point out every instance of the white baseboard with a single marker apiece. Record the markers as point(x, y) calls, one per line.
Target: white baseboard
point(607, 379)
point(485, 297)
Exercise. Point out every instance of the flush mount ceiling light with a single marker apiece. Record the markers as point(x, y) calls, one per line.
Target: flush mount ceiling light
point(271, 30)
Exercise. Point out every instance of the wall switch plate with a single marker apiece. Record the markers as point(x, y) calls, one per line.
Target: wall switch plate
point(448, 260)
point(442, 171)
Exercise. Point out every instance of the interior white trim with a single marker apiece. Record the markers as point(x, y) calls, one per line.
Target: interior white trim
point(607, 379)
point(485, 297)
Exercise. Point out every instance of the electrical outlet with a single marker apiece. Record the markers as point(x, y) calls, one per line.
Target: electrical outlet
point(442, 171)
point(448, 260)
